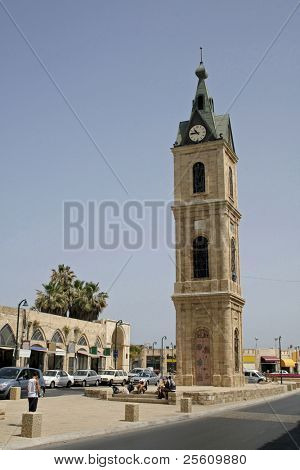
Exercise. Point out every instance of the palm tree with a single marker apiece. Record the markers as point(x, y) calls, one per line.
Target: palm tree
point(65, 293)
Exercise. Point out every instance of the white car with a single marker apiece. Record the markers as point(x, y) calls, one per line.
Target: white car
point(110, 377)
point(57, 378)
point(86, 377)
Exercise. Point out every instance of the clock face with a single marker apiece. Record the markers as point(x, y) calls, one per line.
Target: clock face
point(197, 133)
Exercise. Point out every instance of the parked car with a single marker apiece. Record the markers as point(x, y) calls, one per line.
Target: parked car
point(86, 377)
point(58, 378)
point(254, 376)
point(135, 372)
point(148, 377)
point(18, 377)
point(110, 377)
point(281, 372)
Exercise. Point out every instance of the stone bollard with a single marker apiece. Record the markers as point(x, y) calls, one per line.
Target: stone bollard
point(2, 413)
point(132, 412)
point(172, 398)
point(31, 424)
point(15, 393)
point(186, 405)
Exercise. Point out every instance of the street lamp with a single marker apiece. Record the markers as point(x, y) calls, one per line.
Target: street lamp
point(153, 360)
point(119, 322)
point(162, 355)
point(23, 303)
point(279, 344)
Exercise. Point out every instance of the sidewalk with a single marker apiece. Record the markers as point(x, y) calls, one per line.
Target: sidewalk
point(73, 417)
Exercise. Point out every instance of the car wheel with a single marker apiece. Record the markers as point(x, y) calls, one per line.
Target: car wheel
point(52, 385)
point(97, 383)
point(69, 384)
point(110, 383)
point(259, 381)
point(84, 383)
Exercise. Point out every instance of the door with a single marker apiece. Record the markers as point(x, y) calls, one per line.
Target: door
point(64, 378)
point(202, 357)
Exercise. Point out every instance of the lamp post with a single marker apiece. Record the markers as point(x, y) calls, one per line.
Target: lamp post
point(279, 345)
point(153, 361)
point(119, 322)
point(162, 355)
point(16, 355)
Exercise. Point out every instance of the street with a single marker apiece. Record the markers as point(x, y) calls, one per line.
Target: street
point(270, 425)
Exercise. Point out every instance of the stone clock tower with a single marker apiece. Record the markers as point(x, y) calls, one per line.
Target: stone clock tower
point(207, 294)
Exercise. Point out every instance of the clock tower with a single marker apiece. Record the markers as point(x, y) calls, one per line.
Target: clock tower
point(207, 294)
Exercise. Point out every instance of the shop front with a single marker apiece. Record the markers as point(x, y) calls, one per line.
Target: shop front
point(37, 357)
point(56, 359)
point(288, 365)
point(7, 346)
point(269, 364)
point(82, 359)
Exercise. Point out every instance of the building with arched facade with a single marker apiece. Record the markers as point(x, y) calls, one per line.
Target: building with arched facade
point(52, 342)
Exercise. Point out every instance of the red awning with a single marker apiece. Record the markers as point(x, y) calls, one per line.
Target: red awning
point(269, 359)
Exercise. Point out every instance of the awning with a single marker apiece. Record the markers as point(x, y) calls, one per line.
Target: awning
point(269, 359)
point(6, 347)
point(83, 352)
point(60, 352)
point(38, 348)
point(287, 363)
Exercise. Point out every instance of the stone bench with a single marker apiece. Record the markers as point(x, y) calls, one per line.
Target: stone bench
point(98, 393)
point(31, 425)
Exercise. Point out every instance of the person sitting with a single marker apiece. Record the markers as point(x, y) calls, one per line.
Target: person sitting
point(115, 390)
point(141, 388)
point(130, 387)
point(161, 389)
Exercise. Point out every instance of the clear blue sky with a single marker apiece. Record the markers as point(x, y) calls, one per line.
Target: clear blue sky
point(127, 68)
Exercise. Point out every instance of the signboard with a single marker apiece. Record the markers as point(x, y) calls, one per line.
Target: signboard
point(116, 353)
point(106, 352)
point(71, 348)
point(24, 353)
point(51, 347)
point(93, 350)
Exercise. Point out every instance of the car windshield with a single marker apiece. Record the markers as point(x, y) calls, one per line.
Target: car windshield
point(136, 371)
point(9, 372)
point(81, 372)
point(50, 373)
point(109, 372)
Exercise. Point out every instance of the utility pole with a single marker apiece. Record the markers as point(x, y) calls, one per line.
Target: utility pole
point(279, 343)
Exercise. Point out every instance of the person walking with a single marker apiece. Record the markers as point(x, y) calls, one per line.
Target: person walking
point(33, 392)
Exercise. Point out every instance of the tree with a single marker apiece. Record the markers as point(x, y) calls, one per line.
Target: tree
point(66, 294)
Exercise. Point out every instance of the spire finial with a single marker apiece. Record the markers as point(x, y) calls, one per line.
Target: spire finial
point(201, 61)
point(200, 70)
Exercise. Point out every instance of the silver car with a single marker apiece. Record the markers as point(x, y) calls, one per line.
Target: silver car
point(86, 377)
point(148, 377)
point(254, 377)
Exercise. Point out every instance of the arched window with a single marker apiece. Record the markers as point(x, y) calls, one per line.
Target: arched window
point(98, 343)
point(57, 338)
point(37, 335)
point(236, 350)
point(198, 178)
point(230, 183)
point(200, 257)
point(7, 338)
point(233, 260)
point(82, 341)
